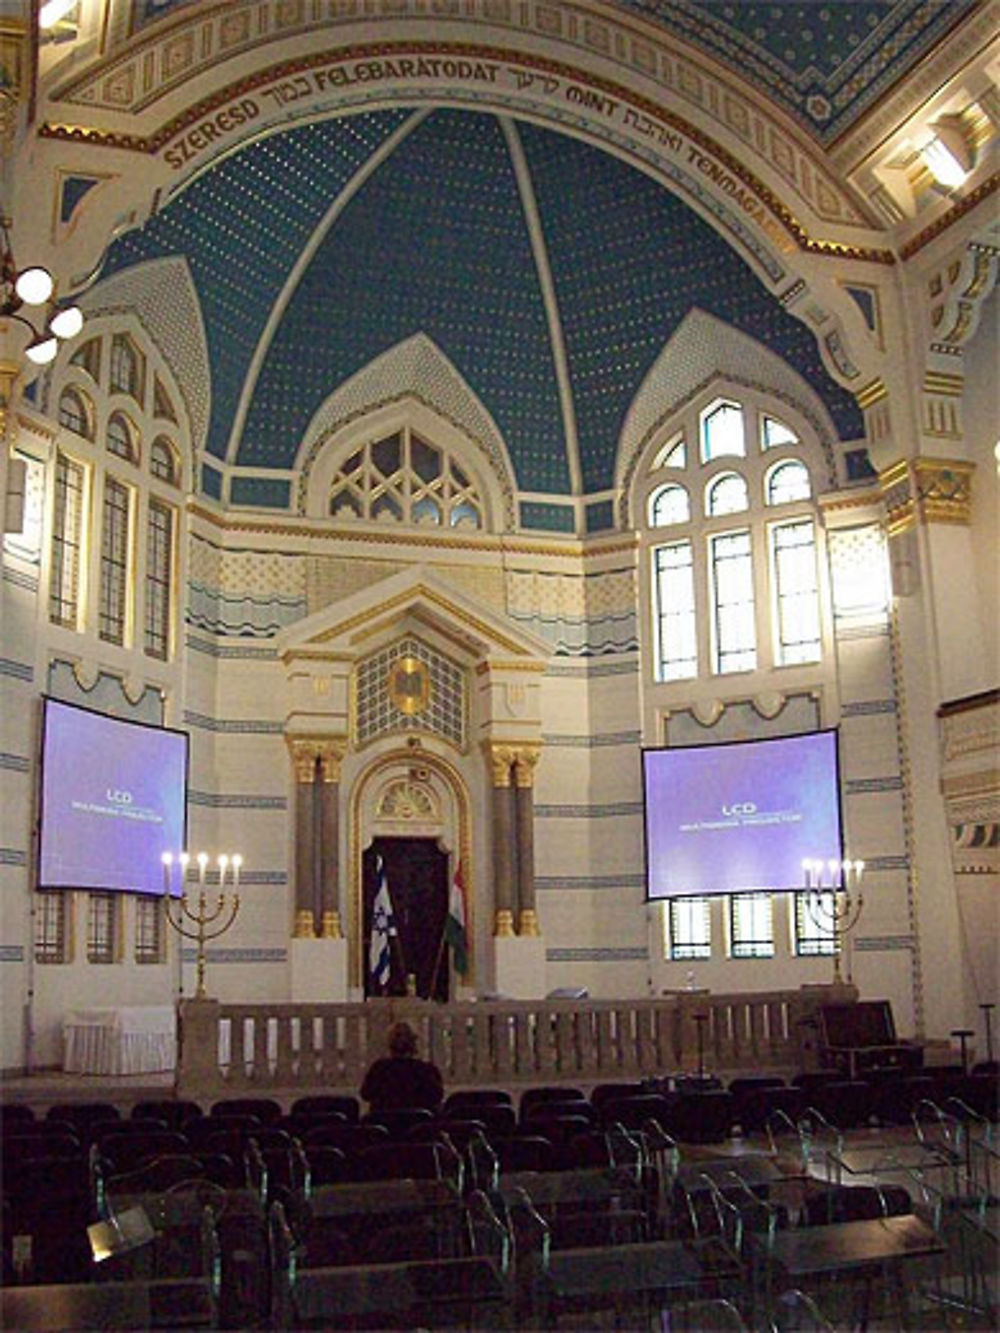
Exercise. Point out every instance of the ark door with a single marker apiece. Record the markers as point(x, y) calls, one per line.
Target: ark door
point(417, 873)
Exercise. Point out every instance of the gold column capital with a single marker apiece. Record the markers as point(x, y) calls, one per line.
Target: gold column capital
point(331, 756)
point(304, 755)
point(526, 759)
point(501, 758)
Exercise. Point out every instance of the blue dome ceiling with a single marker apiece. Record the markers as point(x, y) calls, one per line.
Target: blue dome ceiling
point(436, 236)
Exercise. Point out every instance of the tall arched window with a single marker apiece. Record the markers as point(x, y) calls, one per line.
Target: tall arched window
point(163, 460)
point(120, 437)
point(734, 587)
point(76, 413)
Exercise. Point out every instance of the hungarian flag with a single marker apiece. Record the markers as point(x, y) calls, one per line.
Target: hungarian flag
point(455, 927)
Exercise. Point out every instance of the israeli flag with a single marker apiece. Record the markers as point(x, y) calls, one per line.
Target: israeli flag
point(383, 928)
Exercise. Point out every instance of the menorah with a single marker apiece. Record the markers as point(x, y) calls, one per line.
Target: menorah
point(836, 906)
point(208, 922)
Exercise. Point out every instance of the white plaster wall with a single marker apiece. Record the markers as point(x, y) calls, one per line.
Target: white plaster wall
point(981, 412)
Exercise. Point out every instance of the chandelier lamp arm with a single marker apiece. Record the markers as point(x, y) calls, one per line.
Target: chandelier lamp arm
point(35, 287)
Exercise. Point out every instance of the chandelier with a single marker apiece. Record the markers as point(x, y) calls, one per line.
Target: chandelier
point(34, 287)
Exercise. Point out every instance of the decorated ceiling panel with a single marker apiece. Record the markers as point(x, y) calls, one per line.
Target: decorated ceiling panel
point(551, 318)
point(824, 61)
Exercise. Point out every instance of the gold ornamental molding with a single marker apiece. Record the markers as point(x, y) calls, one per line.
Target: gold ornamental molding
point(527, 924)
point(927, 490)
point(943, 384)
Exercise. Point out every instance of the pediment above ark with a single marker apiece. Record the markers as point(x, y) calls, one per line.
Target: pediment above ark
point(420, 602)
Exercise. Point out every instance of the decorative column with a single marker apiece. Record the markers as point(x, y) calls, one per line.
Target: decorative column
point(501, 761)
point(330, 759)
point(305, 757)
point(525, 759)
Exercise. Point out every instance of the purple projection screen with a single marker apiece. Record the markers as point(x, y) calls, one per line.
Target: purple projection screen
point(113, 800)
point(740, 817)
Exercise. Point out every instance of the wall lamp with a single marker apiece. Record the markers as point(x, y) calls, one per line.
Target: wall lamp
point(34, 286)
point(950, 155)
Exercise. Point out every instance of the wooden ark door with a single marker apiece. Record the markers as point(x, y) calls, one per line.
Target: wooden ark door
point(417, 873)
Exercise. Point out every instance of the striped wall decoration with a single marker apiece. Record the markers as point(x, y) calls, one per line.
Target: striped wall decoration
point(13, 856)
point(622, 954)
point(593, 742)
point(869, 708)
point(866, 786)
point(16, 670)
point(233, 726)
point(589, 883)
point(11, 953)
point(223, 801)
point(588, 811)
point(234, 652)
point(18, 578)
point(14, 763)
point(237, 955)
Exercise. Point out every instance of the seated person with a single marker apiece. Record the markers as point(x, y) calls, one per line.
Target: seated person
point(400, 1078)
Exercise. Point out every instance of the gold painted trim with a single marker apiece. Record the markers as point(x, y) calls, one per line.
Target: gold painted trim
point(953, 215)
point(871, 394)
point(570, 548)
point(463, 807)
point(946, 386)
point(411, 598)
point(491, 664)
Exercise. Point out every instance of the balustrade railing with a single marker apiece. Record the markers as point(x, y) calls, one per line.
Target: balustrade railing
point(231, 1048)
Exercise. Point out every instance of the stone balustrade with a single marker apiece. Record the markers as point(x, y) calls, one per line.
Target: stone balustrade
point(230, 1049)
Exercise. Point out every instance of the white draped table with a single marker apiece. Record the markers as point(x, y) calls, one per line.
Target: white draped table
point(125, 1039)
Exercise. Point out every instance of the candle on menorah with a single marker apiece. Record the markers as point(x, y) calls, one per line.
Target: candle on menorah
point(835, 906)
point(207, 923)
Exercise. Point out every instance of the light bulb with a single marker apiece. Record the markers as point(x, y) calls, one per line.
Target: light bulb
point(34, 285)
point(42, 350)
point(67, 322)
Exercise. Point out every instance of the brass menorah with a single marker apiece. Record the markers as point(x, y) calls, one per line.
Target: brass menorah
point(207, 923)
point(837, 906)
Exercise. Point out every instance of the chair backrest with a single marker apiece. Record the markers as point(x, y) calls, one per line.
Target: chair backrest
point(265, 1109)
point(547, 1110)
point(399, 1119)
point(83, 1114)
point(547, 1093)
point(328, 1103)
point(175, 1112)
point(476, 1097)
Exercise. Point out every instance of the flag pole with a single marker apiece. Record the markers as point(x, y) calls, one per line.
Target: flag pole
point(437, 960)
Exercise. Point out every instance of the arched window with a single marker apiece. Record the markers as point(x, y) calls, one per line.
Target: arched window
point(726, 494)
point(163, 460)
point(709, 572)
point(76, 413)
point(120, 437)
point(402, 478)
point(126, 367)
point(722, 432)
point(88, 357)
point(669, 504)
point(788, 481)
point(774, 432)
